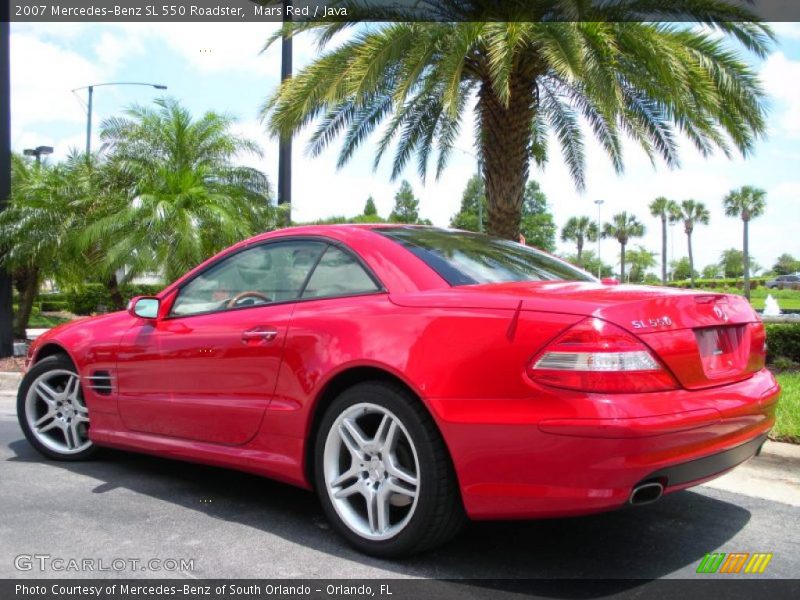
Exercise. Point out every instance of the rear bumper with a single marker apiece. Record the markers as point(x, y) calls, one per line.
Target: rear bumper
point(539, 457)
point(702, 469)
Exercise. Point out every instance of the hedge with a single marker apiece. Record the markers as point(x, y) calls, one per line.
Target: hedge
point(91, 298)
point(711, 284)
point(50, 305)
point(783, 341)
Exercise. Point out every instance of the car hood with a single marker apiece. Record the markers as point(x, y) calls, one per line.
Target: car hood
point(85, 328)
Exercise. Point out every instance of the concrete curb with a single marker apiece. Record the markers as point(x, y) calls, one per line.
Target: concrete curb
point(783, 450)
point(772, 475)
point(9, 381)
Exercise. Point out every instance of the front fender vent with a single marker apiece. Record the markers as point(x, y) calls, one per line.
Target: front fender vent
point(100, 383)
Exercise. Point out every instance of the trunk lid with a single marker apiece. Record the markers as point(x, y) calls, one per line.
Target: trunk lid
point(706, 339)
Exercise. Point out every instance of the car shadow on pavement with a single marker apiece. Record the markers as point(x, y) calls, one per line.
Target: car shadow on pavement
point(644, 543)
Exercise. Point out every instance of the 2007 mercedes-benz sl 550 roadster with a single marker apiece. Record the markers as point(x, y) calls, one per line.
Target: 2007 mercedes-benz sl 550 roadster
point(413, 377)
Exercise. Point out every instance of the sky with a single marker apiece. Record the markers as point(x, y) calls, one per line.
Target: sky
point(221, 67)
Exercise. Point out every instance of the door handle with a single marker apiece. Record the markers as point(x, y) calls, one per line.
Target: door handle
point(266, 334)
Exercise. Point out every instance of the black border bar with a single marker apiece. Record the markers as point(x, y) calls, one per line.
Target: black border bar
point(704, 587)
point(403, 10)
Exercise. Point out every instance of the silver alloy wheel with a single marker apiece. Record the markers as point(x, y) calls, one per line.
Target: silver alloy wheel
point(56, 413)
point(371, 471)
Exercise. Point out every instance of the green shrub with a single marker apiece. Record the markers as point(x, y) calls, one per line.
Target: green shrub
point(781, 363)
point(88, 299)
point(53, 296)
point(93, 298)
point(141, 289)
point(48, 305)
point(783, 341)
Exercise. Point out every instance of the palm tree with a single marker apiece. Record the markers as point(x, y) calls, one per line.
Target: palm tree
point(640, 259)
point(97, 190)
point(623, 227)
point(746, 203)
point(579, 230)
point(691, 213)
point(664, 209)
point(182, 197)
point(35, 230)
point(644, 79)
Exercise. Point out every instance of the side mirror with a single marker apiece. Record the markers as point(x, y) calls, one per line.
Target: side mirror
point(144, 307)
point(609, 281)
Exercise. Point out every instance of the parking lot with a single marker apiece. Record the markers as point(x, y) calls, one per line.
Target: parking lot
point(237, 525)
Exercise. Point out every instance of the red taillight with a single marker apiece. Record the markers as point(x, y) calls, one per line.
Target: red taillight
point(758, 348)
point(596, 356)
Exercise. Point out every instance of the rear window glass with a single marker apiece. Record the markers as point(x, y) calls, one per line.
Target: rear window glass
point(464, 258)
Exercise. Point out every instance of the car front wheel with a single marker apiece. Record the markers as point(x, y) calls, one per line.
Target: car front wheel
point(383, 473)
point(52, 412)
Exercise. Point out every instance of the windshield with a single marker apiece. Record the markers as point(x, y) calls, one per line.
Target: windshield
point(464, 258)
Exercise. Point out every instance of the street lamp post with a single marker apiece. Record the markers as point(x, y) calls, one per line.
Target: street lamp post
point(671, 247)
point(285, 142)
point(599, 260)
point(6, 329)
point(90, 101)
point(38, 152)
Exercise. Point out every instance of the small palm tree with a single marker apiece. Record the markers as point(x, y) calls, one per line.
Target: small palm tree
point(746, 203)
point(640, 260)
point(691, 213)
point(579, 230)
point(526, 80)
point(35, 231)
point(622, 227)
point(664, 209)
point(182, 197)
point(97, 190)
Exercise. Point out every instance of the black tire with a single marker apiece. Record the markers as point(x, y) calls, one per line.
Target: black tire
point(51, 363)
point(439, 513)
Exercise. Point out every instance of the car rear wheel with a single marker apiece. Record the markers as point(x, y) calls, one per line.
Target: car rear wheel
point(383, 473)
point(52, 412)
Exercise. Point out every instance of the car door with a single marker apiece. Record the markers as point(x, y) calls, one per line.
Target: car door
point(207, 370)
point(327, 328)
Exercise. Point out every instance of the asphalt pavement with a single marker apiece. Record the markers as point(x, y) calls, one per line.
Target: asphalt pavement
point(132, 507)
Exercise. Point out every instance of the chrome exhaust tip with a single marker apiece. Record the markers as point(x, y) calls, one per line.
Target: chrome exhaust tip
point(646, 493)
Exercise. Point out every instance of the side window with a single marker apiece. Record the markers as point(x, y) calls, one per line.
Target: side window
point(260, 275)
point(338, 274)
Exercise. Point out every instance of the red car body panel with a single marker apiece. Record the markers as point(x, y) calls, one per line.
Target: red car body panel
point(189, 388)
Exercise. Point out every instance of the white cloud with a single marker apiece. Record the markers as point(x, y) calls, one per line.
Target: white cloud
point(781, 78)
point(114, 49)
point(787, 30)
point(42, 75)
point(219, 47)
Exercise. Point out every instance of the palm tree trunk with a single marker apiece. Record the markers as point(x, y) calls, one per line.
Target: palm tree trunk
point(691, 258)
point(27, 285)
point(622, 263)
point(505, 138)
point(746, 253)
point(580, 251)
point(664, 250)
point(112, 285)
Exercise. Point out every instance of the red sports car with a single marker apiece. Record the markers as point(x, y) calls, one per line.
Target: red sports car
point(414, 377)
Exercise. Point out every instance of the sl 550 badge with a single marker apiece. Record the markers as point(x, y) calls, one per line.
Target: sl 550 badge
point(657, 322)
